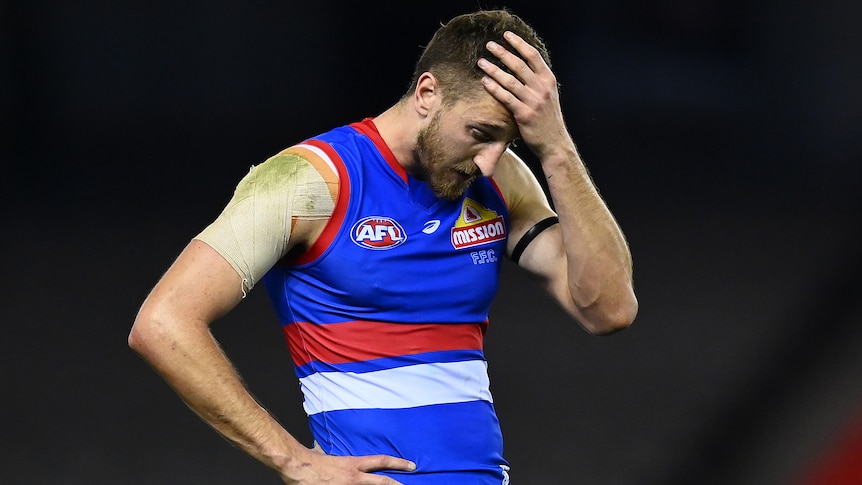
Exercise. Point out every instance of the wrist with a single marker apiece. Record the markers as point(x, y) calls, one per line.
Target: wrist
point(562, 161)
point(284, 454)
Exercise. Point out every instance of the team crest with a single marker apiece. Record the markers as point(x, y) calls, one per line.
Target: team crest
point(378, 232)
point(477, 225)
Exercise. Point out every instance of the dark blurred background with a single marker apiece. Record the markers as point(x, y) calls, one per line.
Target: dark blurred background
point(724, 135)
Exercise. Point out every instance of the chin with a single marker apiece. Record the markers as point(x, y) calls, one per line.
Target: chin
point(452, 191)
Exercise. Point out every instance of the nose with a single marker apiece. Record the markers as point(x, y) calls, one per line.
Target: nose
point(486, 159)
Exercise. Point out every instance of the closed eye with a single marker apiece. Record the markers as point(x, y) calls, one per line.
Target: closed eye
point(480, 136)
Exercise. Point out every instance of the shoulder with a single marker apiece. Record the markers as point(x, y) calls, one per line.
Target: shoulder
point(517, 182)
point(296, 159)
point(292, 167)
point(524, 195)
point(511, 173)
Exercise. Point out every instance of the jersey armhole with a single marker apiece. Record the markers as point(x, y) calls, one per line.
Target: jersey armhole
point(330, 165)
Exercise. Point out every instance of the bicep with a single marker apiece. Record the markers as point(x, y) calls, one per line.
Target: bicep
point(200, 286)
point(173, 322)
point(525, 198)
point(543, 257)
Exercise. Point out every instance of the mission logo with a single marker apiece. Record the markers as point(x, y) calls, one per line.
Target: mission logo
point(477, 225)
point(378, 232)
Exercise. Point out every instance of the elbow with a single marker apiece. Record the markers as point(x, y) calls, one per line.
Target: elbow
point(138, 337)
point(145, 336)
point(610, 318)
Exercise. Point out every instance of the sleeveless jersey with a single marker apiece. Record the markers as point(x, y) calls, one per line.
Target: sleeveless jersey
point(385, 316)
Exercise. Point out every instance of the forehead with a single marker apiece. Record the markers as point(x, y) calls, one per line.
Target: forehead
point(484, 110)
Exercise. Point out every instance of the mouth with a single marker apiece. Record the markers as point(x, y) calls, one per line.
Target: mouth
point(465, 175)
point(468, 172)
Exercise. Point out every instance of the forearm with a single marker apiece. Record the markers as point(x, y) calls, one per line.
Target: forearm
point(598, 263)
point(598, 260)
point(191, 362)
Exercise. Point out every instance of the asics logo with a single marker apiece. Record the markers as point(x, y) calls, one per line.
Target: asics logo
point(431, 226)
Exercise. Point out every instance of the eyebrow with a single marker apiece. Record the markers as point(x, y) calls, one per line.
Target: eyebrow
point(500, 130)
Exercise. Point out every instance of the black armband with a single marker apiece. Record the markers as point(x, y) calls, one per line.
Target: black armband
point(531, 234)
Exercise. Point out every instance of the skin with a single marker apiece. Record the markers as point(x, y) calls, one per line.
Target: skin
point(583, 262)
point(594, 285)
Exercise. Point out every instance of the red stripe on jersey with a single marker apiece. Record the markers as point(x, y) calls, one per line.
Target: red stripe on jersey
point(357, 341)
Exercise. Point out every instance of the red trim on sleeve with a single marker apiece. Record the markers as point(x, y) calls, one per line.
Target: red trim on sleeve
point(367, 128)
point(499, 192)
point(338, 213)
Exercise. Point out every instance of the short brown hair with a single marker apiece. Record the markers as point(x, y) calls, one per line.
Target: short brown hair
point(456, 47)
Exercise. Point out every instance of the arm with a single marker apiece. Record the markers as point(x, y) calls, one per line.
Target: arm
point(584, 262)
point(171, 332)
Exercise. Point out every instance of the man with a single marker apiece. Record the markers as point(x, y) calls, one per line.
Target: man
point(380, 244)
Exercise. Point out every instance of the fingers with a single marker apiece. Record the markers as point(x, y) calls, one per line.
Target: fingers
point(493, 83)
point(368, 464)
point(514, 86)
point(535, 62)
point(318, 467)
point(385, 462)
point(531, 82)
point(529, 91)
point(381, 480)
point(371, 463)
point(524, 71)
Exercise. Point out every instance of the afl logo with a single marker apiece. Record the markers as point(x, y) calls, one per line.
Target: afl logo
point(377, 232)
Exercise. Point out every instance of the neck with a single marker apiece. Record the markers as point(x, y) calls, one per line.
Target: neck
point(399, 131)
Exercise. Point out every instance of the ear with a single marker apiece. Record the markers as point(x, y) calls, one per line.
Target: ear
point(427, 95)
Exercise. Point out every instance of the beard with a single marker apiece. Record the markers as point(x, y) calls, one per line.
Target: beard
point(448, 178)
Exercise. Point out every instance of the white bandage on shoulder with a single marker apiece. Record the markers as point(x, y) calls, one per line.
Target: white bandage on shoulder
point(253, 230)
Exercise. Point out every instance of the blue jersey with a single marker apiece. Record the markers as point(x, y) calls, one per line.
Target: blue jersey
point(385, 316)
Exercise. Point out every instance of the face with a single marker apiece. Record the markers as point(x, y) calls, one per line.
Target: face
point(462, 142)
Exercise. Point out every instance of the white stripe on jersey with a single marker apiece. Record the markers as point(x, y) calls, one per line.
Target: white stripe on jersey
point(322, 154)
point(401, 387)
